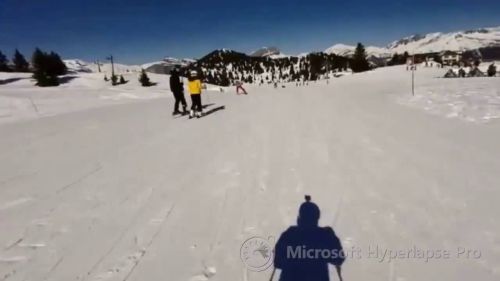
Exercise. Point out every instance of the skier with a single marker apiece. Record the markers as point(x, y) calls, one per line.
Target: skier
point(307, 235)
point(239, 86)
point(177, 88)
point(194, 86)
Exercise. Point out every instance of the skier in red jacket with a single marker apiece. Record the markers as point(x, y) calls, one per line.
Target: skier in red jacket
point(239, 86)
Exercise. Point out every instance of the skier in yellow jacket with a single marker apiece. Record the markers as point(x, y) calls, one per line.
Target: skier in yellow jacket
point(194, 86)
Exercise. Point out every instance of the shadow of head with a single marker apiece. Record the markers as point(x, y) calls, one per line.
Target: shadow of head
point(309, 214)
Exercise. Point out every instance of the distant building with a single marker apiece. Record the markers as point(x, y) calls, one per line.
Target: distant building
point(451, 57)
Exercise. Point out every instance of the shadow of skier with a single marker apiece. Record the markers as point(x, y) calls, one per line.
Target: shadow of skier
point(213, 110)
point(304, 251)
point(207, 105)
point(66, 79)
point(10, 80)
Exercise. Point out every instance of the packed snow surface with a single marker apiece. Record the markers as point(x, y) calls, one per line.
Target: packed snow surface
point(102, 183)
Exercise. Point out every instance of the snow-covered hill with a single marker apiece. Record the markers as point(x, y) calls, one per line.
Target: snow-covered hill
point(429, 43)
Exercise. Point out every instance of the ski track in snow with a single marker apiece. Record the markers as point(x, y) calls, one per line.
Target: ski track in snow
point(126, 192)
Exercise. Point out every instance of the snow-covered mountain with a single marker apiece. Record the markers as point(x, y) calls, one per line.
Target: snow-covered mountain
point(453, 41)
point(271, 52)
point(348, 51)
point(81, 66)
point(429, 43)
point(340, 50)
point(160, 67)
point(76, 65)
point(169, 61)
point(166, 65)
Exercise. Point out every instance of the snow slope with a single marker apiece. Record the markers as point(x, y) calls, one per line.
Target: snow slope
point(126, 192)
point(21, 100)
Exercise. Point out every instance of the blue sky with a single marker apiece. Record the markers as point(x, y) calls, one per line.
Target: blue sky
point(138, 31)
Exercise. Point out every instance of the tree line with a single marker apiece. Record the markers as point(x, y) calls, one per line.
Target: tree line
point(225, 67)
point(45, 66)
point(220, 67)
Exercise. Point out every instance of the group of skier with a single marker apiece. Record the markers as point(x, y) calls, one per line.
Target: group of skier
point(195, 88)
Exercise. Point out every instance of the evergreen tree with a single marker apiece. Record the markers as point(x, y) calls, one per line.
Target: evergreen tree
point(395, 60)
point(492, 70)
point(20, 63)
point(4, 63)
point(359, 62)
point(56, 65)
point(144, 79)
point(106, 78)
point(292, 72)
point(114, 80)
point(437, 59)
point(122, 80)
point(405, 57)
point(46, 68)
point(210, 78)
point(38, 59)
point(461, 72)
point(224, 79)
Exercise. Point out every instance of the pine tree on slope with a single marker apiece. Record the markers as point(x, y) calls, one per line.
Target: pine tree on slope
point(47, 67)
point(359, 62)
point(20, 63)
point(4, 63)
point(144, 79)
point(492, 70)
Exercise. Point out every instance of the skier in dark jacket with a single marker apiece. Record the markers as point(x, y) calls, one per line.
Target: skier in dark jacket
point(296, 265)
point(177, 88)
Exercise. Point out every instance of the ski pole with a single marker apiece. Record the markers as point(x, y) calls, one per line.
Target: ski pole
point(338, 272)
point(272, 274)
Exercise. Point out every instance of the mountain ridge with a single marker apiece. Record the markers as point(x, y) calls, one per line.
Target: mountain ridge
point(429, 43)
